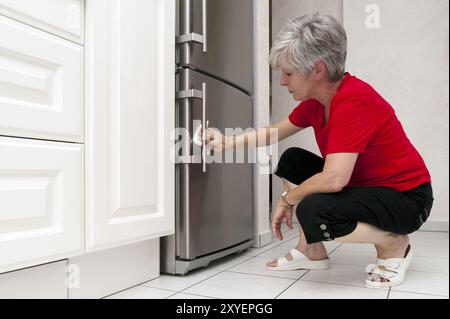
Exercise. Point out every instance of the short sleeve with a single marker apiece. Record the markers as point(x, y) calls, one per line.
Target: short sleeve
point(352, 126)
point(301, 115)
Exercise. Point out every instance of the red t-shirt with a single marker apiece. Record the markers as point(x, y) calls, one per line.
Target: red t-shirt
point(361, 121)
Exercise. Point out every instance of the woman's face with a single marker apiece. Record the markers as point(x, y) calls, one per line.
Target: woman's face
point(298, 85)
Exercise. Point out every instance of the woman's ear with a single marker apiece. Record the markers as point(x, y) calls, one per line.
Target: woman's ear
point(320, 70)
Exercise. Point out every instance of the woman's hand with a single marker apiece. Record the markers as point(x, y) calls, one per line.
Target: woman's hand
point(281, 212)
point(216, 141)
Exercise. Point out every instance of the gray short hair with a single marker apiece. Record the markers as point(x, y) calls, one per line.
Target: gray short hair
point(309, 39)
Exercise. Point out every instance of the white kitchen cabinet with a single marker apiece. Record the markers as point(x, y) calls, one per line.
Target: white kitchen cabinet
point(130, 100)
point(40, 202)
point(102, 273)
point(85, 141)
point(64, 18)
point(41, 282)
point(41, 84)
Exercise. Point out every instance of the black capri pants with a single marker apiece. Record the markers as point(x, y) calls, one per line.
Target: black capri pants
point(324, 217)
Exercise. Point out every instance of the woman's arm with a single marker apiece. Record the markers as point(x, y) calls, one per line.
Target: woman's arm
point(269, 135)
point(261, 137)
point(335, 176)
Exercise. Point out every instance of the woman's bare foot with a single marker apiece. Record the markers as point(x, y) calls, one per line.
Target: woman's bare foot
point(396, 246)
point(315, 251)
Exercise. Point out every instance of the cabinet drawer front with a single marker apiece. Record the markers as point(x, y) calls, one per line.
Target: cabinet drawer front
point(41, 84)
point(64, 18)
point(41, 202)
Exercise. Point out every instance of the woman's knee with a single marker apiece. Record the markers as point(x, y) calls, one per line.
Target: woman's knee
point(309, 208)
point(312, 214)
point(289, 155)
point(298, 164)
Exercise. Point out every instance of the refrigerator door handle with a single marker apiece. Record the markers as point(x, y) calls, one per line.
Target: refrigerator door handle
point(205, 25)
point(191, 37)
point(188, 94)
point(201, 95)
point(195, 37)
point(204, 126)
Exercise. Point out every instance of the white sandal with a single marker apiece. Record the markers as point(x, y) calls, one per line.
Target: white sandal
point(394, 270)
point(370, 268)
point(299, 261)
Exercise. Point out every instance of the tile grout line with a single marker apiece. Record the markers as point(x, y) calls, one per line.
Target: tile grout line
point(426, 272)
point(273, 247)
point(417, 293)
point(251, 274)
point(135, 286)
point(219, 272)
point(180, 291)
point(222, 271)
point(165, 289)
point(196, 295)
point(244, 261)
point(335, 284)
point(367, 252)
point(170, 295)
point(277, 245)
point(298, 279)
point(338, 284)
point(302, 280)
point(118, 292)
point(226, 270)
point(276, 297)
point(347, 285)
point(295, 280)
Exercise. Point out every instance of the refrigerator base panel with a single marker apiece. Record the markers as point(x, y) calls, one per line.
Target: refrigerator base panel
point(182, 267)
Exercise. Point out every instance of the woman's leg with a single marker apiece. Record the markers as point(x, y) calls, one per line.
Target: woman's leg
point(315, 251)
point(295, 166)
point(360, 215)
point(388, 245)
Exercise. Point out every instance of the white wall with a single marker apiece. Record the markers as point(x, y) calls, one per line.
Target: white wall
point(406, 60)
point(261, 116)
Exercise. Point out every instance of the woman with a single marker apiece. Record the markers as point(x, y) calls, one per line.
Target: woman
point(370, 185)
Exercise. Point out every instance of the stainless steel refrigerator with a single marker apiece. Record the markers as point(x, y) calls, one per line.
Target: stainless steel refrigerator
point(214, 202)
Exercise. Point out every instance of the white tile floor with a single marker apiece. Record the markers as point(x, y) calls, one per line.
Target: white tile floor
point(244, 276)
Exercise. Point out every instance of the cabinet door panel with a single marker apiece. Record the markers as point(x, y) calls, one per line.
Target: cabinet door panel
point(41, 79)
point(41, 202)
point(64, 18)
point(129, 117)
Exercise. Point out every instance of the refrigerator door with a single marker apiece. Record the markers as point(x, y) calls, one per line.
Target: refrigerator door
point(216, 206)
point(227, 30)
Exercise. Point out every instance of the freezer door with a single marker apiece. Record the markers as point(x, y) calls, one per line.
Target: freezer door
point(216, 206)
point(227, 30)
